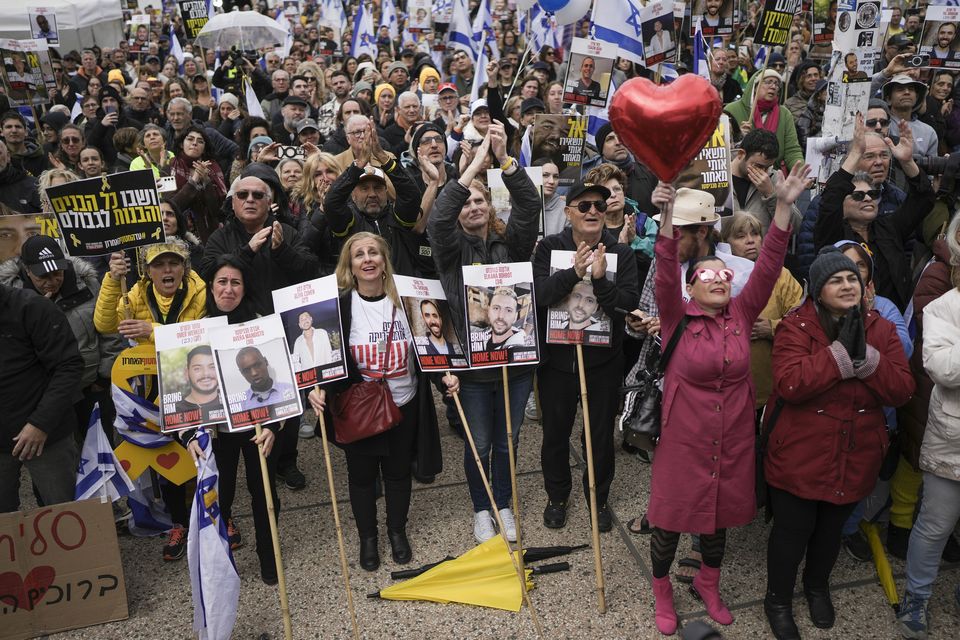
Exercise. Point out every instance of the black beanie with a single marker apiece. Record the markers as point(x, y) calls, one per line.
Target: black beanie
point(108, 91)
point(419, 133)
point(829, 261)
point(601, 136)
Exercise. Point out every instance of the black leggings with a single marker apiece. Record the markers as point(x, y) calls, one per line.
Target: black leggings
point(801, 528)
point(663, 549)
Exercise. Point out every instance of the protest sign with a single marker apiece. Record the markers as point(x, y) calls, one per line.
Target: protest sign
point(824, 20)
point(773, 28)
point(420, 15)
point(659, 36)
point(43, 24)
point(579, 318)
point(194, 16)
point(714, 17)
point(60, 569)
point(22, 76)
point(710, 170)
point(500, 195)
point(112, 213)
point(588, 72)
point(291, 8)
point(255, 372)
point(501, 315)
point(139, 32)
point(939, 39)
point(856, 41)
point(15, 230)
point(189, 392)
point(560, 138)
point(310, 312)
point(435, 338)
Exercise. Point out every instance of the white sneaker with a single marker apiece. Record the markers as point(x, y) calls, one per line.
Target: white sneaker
point(509, 524)
point(308, 429)
point(483, 526)
point(530, 411)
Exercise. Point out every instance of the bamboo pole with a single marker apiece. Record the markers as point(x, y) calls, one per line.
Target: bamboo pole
point(513, 465)
point(592, 483)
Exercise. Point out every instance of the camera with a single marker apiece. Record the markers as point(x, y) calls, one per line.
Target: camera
point(918, 60)
point(938, 165)
point(290, 152)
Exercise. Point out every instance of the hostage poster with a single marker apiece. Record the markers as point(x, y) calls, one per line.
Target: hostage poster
point(310, 312)
point(588, 72)
point(939, 39)
point(435, 338)
point(22, 73)
point(714, 17)
point(194, 15)
point(710, 170)
point(579, 318)
point(255, 372)
point(501, 315)
point(112, 213)
point(659, 35)
point(15, 230)
point(189, 389)
point(773, 29)
point(560, 138)
point(43, 24)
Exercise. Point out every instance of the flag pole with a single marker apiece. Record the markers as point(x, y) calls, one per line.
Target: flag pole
point(523, 61)
point(513, 464)
point(496, 514)
point(592, 482)
point(281, 579)
point(336, 522)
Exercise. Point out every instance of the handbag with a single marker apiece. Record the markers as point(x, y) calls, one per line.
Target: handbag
point(640, 420)
point(366, 408)
point(763, 494)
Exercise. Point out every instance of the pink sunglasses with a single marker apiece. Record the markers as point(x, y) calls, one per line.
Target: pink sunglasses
point(710, 275)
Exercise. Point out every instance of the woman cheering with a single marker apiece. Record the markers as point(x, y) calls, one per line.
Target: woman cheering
point(703, 470)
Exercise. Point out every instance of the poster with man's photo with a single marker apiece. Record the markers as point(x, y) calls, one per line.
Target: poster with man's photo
point(189, 389)
point(43, 24)
point(255, 372)
point(588, 72)
point(500, 195)
point(22, 76)
point(824, 20)
point(659, 37)
point(501, 314)
point(437, 345)
point(560, 138)
point(857, 41)
point(710, 170)
point(715, 17)
point(15, 230)
point(939, 39)
point(310, 312)
point(579, 318)
point(420, 15)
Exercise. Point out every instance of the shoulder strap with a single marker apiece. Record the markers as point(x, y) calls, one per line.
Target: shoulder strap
point(674, 339)
point(771, 423)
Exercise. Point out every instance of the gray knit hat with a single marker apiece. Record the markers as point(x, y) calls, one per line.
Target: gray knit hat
point(829, 261)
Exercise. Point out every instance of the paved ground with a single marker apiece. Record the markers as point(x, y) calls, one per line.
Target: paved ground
point(441, 524)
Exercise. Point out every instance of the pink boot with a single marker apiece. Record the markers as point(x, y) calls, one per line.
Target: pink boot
point(665, 613)
point(706, 587)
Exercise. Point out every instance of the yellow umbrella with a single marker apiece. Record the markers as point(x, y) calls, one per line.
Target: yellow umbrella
point(884, 573)
point(484, 576)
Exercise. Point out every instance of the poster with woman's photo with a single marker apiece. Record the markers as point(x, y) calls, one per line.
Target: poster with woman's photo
point(310, 312)
point(437, 345)
point(189, 389)
point(579, 318)
point(715, 17)
point(939, 39)
point(588, 72)
point(43, 24)
point(255, 372)
point(501, 315)
point(659, 37)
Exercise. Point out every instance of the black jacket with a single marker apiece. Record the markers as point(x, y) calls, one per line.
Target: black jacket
point(551, 289)
point(40, 367)
point(18, 190)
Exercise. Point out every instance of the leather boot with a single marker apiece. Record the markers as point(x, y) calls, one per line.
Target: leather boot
point(822, 613)
point(399, 546)
point(665, 613)
point(780, 617)
point(369, 554)
point(706, 587)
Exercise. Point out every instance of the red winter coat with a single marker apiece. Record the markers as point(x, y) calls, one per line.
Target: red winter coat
point(831, 436)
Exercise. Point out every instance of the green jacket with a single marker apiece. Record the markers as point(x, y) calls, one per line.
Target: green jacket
point(790, 150)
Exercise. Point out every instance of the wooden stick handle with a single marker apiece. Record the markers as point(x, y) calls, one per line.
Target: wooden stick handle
point(592, 483)
point(281, 579)
point(511, 454)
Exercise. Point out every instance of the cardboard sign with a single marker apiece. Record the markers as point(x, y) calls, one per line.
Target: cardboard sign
point(710, 170)
point(773, 29)
point(579, 318)
point(560, 138)
point(501, 315)
point(255, 372)
point(15, 230)
point(43, 24)
point(60, 569)
point(194, 15)
point(99, 216)
point(310, 312)
point(428, 315)
point(189, 391)
point(588, 72)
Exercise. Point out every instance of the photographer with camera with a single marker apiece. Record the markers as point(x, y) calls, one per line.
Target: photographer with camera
point(236, 66)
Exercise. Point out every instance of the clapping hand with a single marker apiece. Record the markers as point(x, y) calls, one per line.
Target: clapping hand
point(790, 188)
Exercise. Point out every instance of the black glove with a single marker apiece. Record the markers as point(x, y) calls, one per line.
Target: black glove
point(850, 334)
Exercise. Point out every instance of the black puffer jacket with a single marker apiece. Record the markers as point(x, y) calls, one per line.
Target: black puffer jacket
point(18, 190)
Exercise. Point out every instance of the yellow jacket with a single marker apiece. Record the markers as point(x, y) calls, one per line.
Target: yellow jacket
point(111, 307)
point(787, 294)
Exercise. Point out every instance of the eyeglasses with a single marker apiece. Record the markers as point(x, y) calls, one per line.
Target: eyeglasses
point(357, 134)
point(860, 196)
point(71, 140)
point(873, 122)
point(711, 275)
point(584, 205)
point(257, 195)
point(431, 140)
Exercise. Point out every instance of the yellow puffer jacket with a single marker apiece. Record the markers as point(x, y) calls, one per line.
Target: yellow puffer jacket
point(111, 307)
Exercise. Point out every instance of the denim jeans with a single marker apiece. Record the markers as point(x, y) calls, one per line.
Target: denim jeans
point(939, 512)
point(483, 407)
point(54, 474)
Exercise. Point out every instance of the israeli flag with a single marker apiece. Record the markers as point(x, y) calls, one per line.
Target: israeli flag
point(175, 49)
point(479, 75)
point(599, 116)
point(148, 514)
point(540, 30)
point(253, 105)
point(483, 33)
point(761, 58)
point(526, 149)
point(214, 580)
point(77, 110)
point(701, 64)
point(619, 22)
point(363, 37)
point(460, 35)
point(388, 18)
point(99, 472)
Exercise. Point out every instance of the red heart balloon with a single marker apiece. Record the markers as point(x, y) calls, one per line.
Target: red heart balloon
point(665, 126)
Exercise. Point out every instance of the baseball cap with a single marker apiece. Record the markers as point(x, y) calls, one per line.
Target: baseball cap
point(42, 255)
point(154, 251)
point(307, 123)
point(480, 103)
point(532, 103)
point(581, 188)
point(150, 59)
point(371, 172)
point(899, 41)
point(447, 86)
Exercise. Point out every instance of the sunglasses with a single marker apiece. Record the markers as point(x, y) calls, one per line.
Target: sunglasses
point(257, 195)
point(873, 122)
point(710, 275)
point(584, 205)
point(860, 196)
point(71, 140)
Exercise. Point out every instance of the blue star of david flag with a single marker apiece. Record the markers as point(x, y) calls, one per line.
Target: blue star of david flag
point(618, 21)
point(99, 472)
point(363, 40)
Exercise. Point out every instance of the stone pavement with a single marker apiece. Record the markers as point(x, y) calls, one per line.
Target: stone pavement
point(441, 524)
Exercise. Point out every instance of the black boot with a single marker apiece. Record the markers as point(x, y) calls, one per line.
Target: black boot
point(822, 613)
point(780, 617)
point(399, 546)
point(369, 554)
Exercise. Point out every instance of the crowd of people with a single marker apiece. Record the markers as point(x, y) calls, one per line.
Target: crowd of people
point(826, 319)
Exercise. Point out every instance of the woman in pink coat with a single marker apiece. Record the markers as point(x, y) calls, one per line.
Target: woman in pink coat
point(703, 470)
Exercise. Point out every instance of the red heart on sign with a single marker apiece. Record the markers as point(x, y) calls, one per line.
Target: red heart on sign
point(168, 460)
point(665, 126)
point(125, 464)
point(28, 592)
